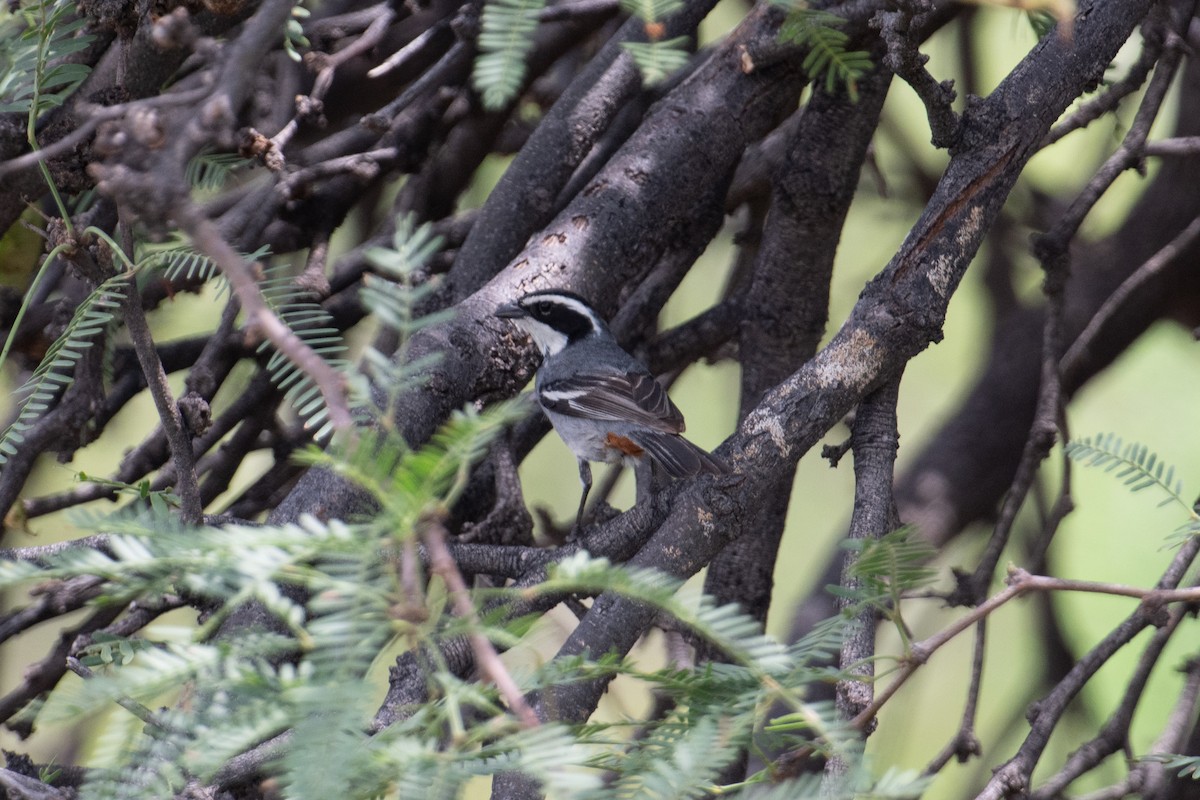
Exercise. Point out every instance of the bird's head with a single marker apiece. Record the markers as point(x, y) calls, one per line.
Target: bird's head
point(554, 318)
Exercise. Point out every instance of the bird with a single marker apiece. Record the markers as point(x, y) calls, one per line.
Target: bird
point(602, 402)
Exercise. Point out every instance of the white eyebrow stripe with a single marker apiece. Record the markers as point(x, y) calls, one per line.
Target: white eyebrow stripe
point(569, 302)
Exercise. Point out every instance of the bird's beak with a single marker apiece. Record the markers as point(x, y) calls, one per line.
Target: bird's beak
point(510, 311)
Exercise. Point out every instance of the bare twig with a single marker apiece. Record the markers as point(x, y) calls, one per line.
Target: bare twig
point(1092, 110)
point(43, 675)
point(1114, 735)
point(39, 553)
point(486, 657)
point(577, 8)
point(965, 743)
point(1014, 775)
point(1177, 146)
point(364, 166)
point(260, 318)
point(250, 763)
point(1019, 582)
point(875, 440)
point(382, 16)
point(21, 786)
point(1128, 155)
point(1151, 775)
point(97, 114)
point(396, 59)
point(905, 60)
point(1079, 349)
point(178, 438)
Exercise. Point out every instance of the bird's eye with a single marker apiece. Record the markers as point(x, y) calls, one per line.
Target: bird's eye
point(542, 309)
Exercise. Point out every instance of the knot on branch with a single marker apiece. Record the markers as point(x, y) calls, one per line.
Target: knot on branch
point(904, 59)
point(966, 745)
point(174, 31)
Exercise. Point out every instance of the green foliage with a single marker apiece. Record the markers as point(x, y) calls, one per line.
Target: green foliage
point(308, 319)
point(1133, 463)
point(828, 60)
point(208, 172)
point(392, 295)
point(33, 75)
point(92, 320)
point(294, 39)
point(158, 498)
point(505, 39)
point(1041, 21)
point(659, 59)
point(225, 697)
point(1138, 468)
point(1183, 766)
point(178, 261)
point(651, 10)
point(342, 594)
point(886, 567)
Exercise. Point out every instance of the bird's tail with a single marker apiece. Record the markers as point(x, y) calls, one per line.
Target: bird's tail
point(679, 457)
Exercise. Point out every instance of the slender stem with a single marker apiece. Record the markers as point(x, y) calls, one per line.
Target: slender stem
point(178, 438)
point(37, 279)
point(259, 316)
point(132, 706)
point(1019, 582)
point(45, 34)
point(486, 657)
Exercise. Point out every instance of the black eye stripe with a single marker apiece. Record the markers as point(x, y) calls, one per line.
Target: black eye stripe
point(567, 316)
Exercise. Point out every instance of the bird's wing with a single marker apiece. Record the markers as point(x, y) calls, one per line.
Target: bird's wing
point(633, 397)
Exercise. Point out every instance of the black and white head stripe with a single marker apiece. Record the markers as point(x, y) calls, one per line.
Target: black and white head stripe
point(554, 318)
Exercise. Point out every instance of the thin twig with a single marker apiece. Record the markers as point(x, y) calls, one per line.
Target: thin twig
point(486, 657)
point(407, 51)
point(1114, 735)
point(1116, 301)
point(89, 125)
point(1019, 582)
point(1173, 739)
point(132, 706)
point(259, 316)
point(908, 62)
point(1175, 146)
point(1128, 155)
point(965, 743)
point(329, 62)
point(54, 599)
point(577, 8)
point(42, 676)
point(1094, 109)
point(39, 553)
point(178, 439)
point(364, 166)
point(1047, 417)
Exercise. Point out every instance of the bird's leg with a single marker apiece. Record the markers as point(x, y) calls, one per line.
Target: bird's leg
point(585, 477)
point(648, 480)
